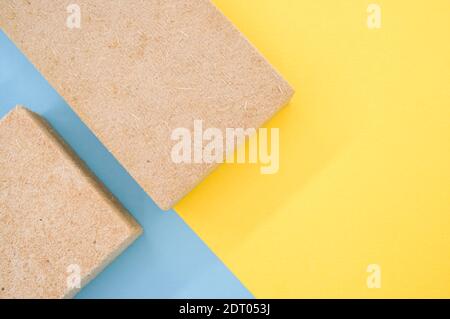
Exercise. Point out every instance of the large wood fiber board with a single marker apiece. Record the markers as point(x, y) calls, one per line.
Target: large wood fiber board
point(136, 70)
point(54, 215)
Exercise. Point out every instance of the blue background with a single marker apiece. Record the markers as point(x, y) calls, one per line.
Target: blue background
point(168, 260)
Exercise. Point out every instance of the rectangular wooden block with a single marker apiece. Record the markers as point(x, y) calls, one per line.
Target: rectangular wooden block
point(56, 219)
point(136, 70)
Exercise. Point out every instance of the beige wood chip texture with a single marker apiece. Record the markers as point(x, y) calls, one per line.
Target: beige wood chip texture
point(138, 69)
point(53, 214)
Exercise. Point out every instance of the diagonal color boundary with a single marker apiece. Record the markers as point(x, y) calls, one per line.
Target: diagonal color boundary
point(169, 260)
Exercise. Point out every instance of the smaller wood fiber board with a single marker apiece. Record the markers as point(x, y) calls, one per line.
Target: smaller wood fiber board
point(137, 70)
point(55, 217)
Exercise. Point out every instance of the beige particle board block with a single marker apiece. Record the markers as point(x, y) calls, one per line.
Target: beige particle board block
point(55, 218)
point(136, 70)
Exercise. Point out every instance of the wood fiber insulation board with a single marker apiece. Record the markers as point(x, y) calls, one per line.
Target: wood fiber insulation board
point(136, 70)
point(54, 214)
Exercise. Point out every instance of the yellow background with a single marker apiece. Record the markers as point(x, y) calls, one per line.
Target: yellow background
point(365, 155)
